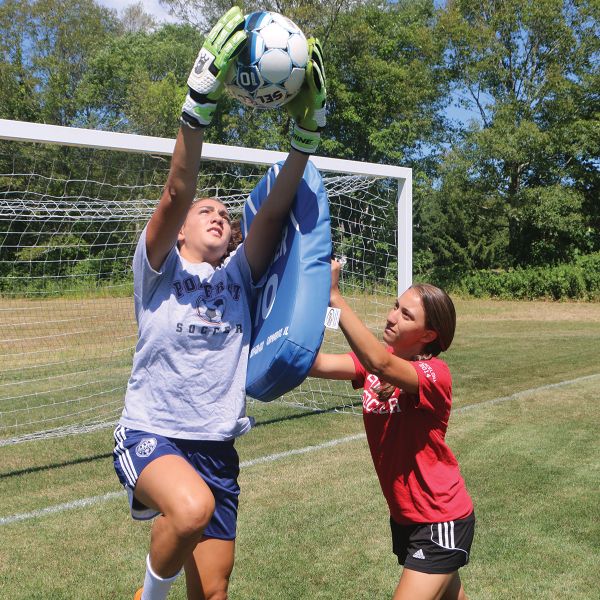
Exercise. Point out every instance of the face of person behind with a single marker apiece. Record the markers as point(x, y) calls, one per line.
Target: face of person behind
point(206, 232)
point(405, 329)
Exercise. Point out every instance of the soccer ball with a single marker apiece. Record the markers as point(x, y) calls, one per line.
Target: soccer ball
point(270, 70)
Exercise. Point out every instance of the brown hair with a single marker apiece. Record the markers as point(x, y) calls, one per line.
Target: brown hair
point(440, 316)
point(236, 237)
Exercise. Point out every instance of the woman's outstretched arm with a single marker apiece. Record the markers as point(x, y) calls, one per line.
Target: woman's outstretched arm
point(370, 352)
point(307, 110)
point(333, 366)
point(205, 86)
point(177, 196)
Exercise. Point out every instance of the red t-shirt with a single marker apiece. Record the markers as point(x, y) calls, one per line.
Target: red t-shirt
point(418, 473)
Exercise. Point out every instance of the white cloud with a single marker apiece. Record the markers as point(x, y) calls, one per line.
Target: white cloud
point(152, 7)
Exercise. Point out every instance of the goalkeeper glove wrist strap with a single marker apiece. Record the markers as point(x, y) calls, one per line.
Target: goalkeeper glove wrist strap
point(305, 141)
point(197, 114)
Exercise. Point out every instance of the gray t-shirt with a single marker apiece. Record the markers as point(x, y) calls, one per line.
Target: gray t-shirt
point(189, 369)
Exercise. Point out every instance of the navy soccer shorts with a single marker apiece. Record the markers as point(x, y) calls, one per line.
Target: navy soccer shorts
point(434, 548)
point(216, 462)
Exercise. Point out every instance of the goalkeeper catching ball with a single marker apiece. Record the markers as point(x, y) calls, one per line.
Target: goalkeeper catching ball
point(185, 401)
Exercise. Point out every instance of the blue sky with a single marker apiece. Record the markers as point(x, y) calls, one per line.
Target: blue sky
point(152, 7)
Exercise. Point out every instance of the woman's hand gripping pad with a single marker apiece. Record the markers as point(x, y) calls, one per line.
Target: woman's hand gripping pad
point(289, 313)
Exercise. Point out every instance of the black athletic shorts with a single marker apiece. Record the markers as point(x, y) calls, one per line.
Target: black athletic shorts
point(434, 547)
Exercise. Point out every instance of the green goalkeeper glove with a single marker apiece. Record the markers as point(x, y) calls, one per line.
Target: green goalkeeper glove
point(221, 46)
point(308, 108)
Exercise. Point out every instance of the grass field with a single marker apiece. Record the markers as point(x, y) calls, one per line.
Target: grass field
point(313, 523)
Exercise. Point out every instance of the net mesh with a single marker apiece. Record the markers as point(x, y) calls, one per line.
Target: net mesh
point(69, 222)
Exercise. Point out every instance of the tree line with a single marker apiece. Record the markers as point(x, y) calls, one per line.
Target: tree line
point(514, 186)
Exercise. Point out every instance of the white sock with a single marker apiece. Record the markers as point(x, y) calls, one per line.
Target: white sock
point(155, 587)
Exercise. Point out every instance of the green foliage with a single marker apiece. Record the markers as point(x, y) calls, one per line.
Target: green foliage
point(531, 71)
point(461, 223)
point(386, 84)
point(46, 46)
point(17, 81)
point(155, 106)
point(519, 187)
point(137, 82)
point(313, 16)
point(551, 227)
point(579, 280)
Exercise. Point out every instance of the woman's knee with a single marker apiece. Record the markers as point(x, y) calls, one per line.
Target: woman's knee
point(208, 589)
point(189, 516)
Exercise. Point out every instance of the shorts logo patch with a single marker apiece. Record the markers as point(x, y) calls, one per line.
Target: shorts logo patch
point(146, 447)
point(419, 554)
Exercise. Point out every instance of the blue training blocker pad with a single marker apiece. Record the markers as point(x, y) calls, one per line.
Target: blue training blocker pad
point(289, 314)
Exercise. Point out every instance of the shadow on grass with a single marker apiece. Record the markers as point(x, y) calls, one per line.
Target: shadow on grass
point(87, 459)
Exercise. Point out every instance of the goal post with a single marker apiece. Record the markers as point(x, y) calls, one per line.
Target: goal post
point(23, 131)
point(72, 204)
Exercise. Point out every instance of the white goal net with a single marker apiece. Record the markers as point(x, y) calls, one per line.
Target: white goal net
point(70, 214)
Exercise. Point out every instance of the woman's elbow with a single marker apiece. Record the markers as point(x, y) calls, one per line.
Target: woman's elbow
point(377, 365)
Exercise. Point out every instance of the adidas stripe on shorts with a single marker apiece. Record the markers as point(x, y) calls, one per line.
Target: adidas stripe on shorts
point(216, 462)
point(434, 548)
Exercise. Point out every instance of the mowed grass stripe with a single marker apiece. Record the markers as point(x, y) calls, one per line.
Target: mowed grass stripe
point(315, 527)
point(318, 528)
point(83, 502)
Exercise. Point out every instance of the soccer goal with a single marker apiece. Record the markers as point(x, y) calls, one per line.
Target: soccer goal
point(72, 205)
